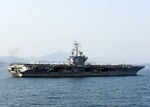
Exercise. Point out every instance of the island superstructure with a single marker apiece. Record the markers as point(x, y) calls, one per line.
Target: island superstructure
point(75, 67)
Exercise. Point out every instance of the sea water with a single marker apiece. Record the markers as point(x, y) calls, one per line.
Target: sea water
point(127, 91)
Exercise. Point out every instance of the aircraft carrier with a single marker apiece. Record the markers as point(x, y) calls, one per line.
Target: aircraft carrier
point(75, 67)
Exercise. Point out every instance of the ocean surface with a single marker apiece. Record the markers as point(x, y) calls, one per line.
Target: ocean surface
point(129, 91)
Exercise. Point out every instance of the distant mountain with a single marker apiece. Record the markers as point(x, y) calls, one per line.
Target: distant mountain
point(31, 59)
point(61, 56)
point(55, 57)
point(119, 60)
point(105, 60)
point(11, 59)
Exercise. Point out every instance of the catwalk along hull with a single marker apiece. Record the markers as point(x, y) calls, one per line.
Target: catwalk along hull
point(72, 71)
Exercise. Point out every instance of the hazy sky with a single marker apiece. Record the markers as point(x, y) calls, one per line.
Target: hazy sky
point(113, 28)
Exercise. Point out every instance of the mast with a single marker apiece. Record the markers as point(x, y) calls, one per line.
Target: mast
point(76, 48)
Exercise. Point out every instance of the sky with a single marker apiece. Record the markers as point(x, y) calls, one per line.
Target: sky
point(105, 28)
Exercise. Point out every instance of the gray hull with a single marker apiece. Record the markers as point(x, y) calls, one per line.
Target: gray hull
point(70, 71)
point(84, 74)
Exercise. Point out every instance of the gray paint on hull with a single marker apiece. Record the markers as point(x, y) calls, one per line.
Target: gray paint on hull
point(83, 74)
